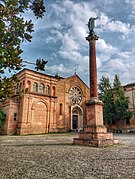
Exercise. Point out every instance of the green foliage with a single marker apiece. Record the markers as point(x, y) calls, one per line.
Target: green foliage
point(40, 64)
point(2, 117)
point(121, 103)
point(106, 96)
point(6, 87)
point(115, 103)
point(13, 31)
point(104, 85)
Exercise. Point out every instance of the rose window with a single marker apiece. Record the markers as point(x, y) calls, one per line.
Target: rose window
point(75, 95)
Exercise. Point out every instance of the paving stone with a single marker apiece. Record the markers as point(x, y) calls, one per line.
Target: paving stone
point(53, 156)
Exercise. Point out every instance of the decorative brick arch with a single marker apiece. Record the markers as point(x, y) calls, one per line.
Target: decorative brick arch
point(39, 111)
point(42, 101)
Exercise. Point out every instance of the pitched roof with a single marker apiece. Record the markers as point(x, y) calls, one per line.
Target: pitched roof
point(75, 75)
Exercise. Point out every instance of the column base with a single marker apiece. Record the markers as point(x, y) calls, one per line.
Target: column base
point(95, 136)
point(94, 142)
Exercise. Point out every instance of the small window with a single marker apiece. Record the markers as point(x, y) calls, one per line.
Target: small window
point(15, 116)
point(41, 88)
point(60, 109)
point(53, 91)
point(20, 87)
point(28, 86)
point(47, 89)
point(17, 88)
point(35, 87)
point(23, 84)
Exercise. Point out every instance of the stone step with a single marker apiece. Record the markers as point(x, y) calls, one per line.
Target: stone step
point(95, 135)
point(94, 142)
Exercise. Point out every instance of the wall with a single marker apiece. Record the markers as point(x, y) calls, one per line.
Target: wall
point(10, 108)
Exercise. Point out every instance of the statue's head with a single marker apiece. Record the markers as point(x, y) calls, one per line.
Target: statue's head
point(90, 18)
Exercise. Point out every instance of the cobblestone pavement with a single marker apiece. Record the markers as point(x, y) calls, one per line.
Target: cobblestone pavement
point(53, 156)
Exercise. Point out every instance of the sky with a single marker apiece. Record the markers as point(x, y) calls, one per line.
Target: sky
point(59, 38)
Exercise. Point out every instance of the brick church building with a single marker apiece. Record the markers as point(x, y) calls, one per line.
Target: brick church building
point(44, 103)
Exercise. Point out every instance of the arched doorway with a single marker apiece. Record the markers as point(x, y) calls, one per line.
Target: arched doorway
point(76, 117)
point(75, 121)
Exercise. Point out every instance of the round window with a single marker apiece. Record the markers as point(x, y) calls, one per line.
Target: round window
point(75, 95)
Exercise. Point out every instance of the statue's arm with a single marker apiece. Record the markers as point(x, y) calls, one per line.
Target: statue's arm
point(95, 18)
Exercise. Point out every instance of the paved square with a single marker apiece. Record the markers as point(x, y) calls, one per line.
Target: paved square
point(52, 156)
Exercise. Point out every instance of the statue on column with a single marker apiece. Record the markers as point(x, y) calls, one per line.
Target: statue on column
point(91, 24)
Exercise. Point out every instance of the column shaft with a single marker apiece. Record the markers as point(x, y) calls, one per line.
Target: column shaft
point(93, 69)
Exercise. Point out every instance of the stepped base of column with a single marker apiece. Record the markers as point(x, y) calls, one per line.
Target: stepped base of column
point(94, 142)
point(95, 136)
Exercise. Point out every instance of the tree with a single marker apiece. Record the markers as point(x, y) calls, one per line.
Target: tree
point(6, 87)
point(106, 96)
point(2, 118)
point(13, 31)
point(115, 103)
point(120, 101)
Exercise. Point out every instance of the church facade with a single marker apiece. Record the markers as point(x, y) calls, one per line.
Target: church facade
point(44, 103)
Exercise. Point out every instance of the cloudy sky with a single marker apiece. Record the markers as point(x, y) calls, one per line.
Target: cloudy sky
point(60, 38)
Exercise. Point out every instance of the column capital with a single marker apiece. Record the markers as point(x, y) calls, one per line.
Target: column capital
point(92, 37)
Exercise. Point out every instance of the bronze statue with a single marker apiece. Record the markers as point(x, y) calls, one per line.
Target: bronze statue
point(91, 24)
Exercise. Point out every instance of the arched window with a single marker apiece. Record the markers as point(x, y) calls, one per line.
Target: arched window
point(47, 89)
point(35, 87)
point(28, 86)
point(23, 84)
point(60, 109)
point(20, 87)
point(53, 91)
point(17, 88)
point(41, 88)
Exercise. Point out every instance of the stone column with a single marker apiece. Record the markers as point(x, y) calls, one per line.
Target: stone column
point(94, 107)
point(94, 132)
point(92, 65)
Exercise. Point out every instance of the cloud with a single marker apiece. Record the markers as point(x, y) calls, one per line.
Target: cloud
point(131, 2)
point(70, 55)
point(74, 31)
point(107, 24)
point(116, 65)
point(99, 62)
point(76, 58)
point(68, 43)
point(60, 36)
point(104, 47)
point(123, 65)
point(118, 26)
point(61, 69)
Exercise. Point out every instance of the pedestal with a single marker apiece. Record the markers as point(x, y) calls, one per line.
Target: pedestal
point(95, 133)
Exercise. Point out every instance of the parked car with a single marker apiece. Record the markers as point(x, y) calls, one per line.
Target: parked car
point(117, 131)
point(131, 130)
